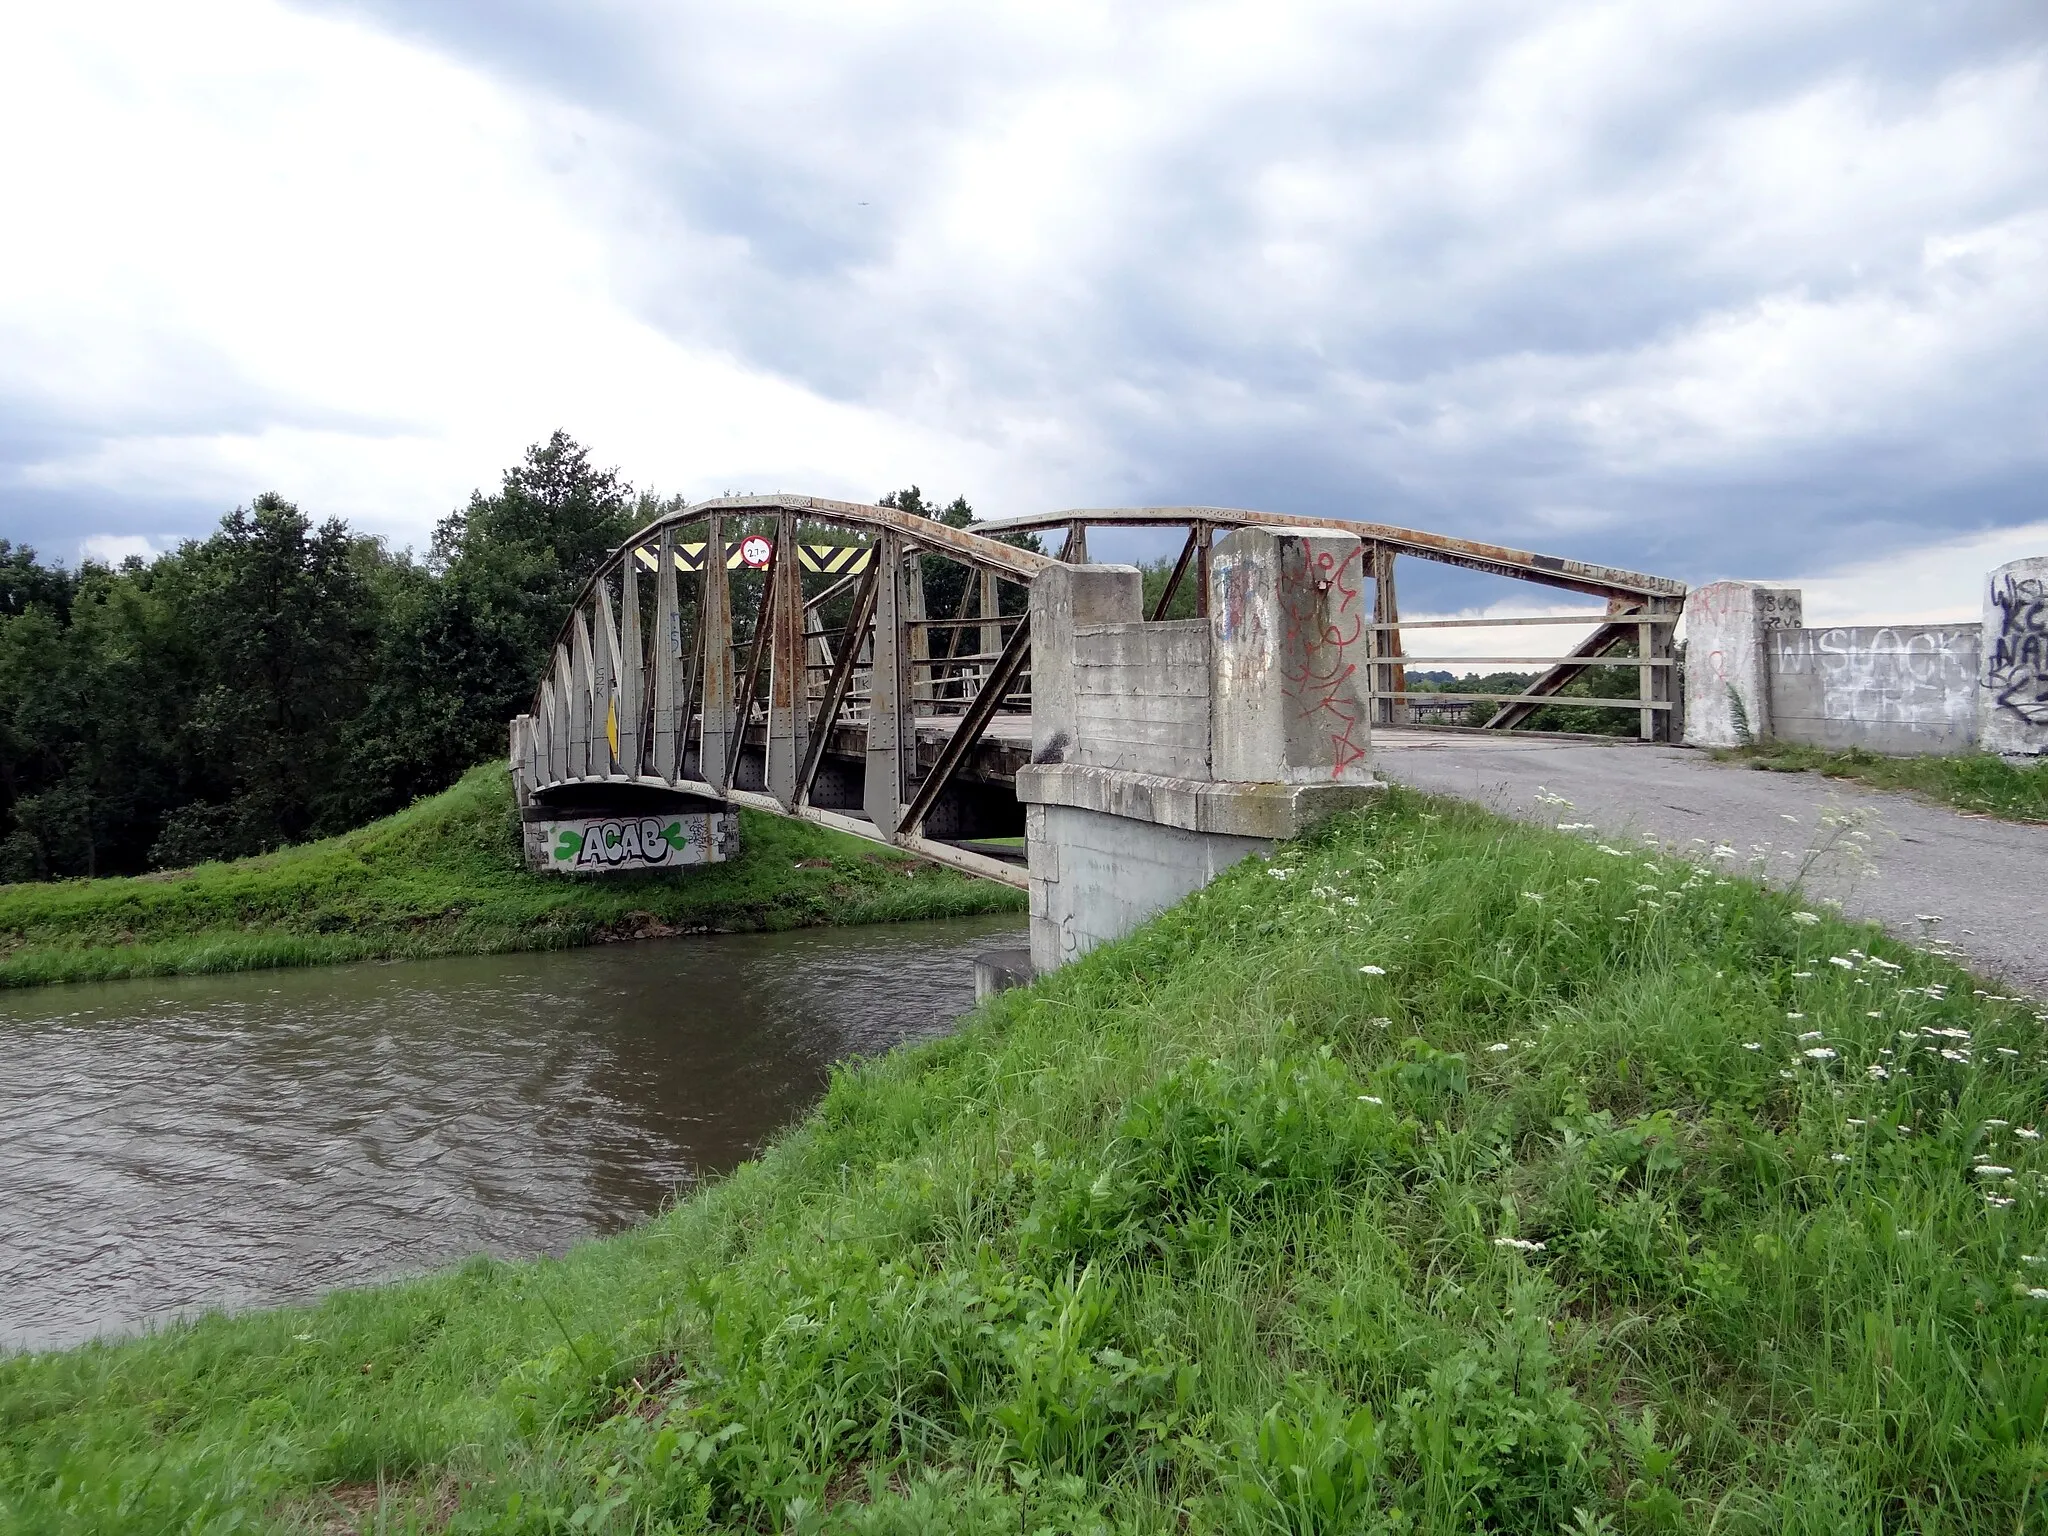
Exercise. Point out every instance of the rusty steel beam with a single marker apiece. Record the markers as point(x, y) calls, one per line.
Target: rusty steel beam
point(1494, 559)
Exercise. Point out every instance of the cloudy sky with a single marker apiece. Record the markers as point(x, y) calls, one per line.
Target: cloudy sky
point(1698, 288)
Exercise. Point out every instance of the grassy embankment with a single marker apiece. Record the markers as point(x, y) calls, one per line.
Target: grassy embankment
point(1977, 782)
point(1445, 1175)
point(445, 877)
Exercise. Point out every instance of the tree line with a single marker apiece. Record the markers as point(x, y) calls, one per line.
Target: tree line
point(286, 678)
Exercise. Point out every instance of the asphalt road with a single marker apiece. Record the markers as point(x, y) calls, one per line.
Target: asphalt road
point(1986, 880)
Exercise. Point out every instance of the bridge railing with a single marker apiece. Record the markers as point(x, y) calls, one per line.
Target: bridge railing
point(1636, 628)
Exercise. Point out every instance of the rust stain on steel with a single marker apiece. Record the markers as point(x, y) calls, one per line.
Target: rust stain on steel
point(1498, 559)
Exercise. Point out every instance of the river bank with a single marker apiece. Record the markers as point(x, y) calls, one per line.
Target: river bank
point(444, 877)
point(1443, 1172)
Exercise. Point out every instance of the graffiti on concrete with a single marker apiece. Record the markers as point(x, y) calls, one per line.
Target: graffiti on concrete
point(617, 844)
point(2016, 671)
point(1905, 676)
point(1325, 628)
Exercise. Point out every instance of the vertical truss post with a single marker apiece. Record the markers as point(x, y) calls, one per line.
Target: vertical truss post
point(1664, 678)
point(1203, 532)
point(550, 739)
point(607, 726)
point(789, 713)
point(565, 717)
point(582, 695)
point(1646, 720)
point(633, 675)
point(714, 623)
point(1386, 609)
point(668, 649)
point(1075, 551)
point(922, 679)
point(991, 642)
point(892, 731)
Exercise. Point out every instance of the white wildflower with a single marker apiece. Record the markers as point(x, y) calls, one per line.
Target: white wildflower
point(1844, 962)
point(1991, 1170)
point(1372, 970)
point(1366, 1098)
point(1806, 918)
point(1522, 1244)
point(1752, 1045)
point(1819, 1053)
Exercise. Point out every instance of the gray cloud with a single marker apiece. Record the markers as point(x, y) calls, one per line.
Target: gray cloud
point(1698, 290)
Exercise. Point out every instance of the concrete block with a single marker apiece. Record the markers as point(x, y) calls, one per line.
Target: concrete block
point(1288, 615)
point(1726, 660)
point(1062, 599)
point(2013, 697)
point(998, 970)
point(1901, 689)
point(629, 843)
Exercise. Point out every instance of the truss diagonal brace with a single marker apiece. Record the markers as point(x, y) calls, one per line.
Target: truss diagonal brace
point(750, 683)
point(968, 732)
point(842, 680)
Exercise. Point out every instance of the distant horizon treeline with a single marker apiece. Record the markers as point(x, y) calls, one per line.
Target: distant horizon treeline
point(283, 678)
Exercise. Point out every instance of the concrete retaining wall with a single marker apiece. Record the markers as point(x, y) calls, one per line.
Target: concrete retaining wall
point(1902, 690)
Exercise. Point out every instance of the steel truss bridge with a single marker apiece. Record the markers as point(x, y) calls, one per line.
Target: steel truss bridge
point(870, 669)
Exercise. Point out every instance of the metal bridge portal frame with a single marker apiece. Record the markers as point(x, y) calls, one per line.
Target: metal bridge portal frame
point(783, 652)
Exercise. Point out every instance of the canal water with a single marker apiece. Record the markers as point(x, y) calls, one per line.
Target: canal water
point(169, 1146)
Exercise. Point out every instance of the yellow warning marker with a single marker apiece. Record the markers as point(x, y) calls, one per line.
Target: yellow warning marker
point(611, 726)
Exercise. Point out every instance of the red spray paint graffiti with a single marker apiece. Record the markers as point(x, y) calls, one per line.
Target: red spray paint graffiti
point(1325, 625)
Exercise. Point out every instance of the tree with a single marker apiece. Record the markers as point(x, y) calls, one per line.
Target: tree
point(286, 619)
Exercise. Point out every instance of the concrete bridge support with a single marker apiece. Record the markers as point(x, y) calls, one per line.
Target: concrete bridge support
point(1163, 753)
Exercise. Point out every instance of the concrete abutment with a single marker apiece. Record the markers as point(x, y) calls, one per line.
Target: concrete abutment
point(1164, 753)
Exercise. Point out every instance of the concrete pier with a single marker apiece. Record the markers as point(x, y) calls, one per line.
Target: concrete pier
point(1163, 753)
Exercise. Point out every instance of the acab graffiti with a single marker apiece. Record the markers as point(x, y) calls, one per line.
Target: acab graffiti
point(645, 842)
point(2017, 669)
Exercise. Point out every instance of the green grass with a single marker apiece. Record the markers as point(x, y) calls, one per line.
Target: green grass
point(445, 877)
point(1978, 782)
point(1444, 1175)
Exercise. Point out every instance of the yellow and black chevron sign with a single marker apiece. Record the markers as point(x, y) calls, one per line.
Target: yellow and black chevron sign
point(825, 559)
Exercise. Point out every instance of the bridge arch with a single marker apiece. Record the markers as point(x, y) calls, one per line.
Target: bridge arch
point(869, 669)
